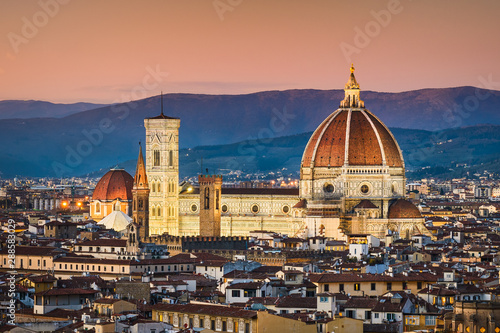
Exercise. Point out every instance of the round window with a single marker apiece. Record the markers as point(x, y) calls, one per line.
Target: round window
point(224, 208)
point(286, 209)
point(328, 188)
point(194, 207)
point(365, 189)
point(255, 209)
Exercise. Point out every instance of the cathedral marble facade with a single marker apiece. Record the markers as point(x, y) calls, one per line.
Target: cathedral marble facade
point(352, 180)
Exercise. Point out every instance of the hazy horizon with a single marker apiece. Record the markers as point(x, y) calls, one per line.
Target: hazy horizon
point(229, 94)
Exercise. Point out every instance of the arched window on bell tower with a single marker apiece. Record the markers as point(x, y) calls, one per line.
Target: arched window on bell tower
point(207, 198)
point(217, 195)
point(156, 157)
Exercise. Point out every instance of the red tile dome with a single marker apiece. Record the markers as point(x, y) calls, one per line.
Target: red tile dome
point(115, 184)
point(352, 135)
point(403, 209)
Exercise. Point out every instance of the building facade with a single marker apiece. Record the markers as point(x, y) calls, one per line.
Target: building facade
point(352, 181)
point(162, 168)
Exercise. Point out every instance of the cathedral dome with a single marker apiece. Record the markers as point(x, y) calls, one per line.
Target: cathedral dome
point(403, 209)
point(115, 184)
point(352, 136)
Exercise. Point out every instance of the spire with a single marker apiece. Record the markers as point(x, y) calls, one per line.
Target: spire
point(351, 89)
point(162, 103)
point(140, 178)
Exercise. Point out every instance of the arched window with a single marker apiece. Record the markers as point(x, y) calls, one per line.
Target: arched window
point(141, 205)
point(158, 187)
point(156, 158)
point(171, 158)
point(217, 195)
point(135, 207)
point(207, 198)
point(97, 207)
point(159, 211)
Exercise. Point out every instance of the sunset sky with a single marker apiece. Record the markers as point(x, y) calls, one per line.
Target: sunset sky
point(108, 50)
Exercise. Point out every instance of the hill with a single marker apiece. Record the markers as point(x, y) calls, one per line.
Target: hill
point(87, 141)
point(39, 109)
point(448, 153)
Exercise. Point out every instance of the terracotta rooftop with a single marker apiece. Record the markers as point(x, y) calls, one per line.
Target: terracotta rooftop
point(245, 285)
point(361, 302)
point(42, 278)
point(35, 250)
point(297, 302)
point(365, 204)
point(104, 242)
point(357, 277)
point(107, 300)
point(301, 204)
point(66, 291)
point(403, 209)
point(214, 310)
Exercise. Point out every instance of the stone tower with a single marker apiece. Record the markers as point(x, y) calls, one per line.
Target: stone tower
point(140, 195)
point(162, 168)
point(210, 205)
point(133, 238)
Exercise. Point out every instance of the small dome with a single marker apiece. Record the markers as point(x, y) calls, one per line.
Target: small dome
point(403, 209)
point(115, 184)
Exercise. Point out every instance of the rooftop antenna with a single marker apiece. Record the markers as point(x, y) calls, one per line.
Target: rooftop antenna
point(162, 103)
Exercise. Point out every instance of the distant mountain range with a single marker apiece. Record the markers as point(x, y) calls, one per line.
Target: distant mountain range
point(448, 153)
point(266, 127)
point(40, 109)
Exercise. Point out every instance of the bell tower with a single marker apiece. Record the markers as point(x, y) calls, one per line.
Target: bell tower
point(140, 195)
point(162, 168)
point(210, 205)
